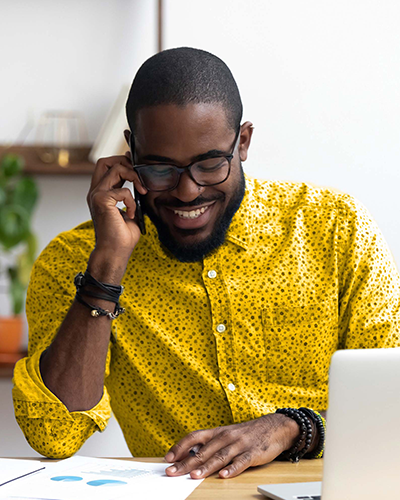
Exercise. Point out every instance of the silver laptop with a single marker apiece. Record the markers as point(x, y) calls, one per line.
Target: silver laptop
point(362, 453)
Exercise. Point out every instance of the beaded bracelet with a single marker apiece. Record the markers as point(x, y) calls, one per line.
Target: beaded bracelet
point(293, 454)
point(320, 424)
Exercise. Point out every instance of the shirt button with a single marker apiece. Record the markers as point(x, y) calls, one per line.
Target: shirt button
point(212, 274)
point(231, 387)
point(221, 328)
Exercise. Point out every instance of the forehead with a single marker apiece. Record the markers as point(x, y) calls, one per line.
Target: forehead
point(190, 129)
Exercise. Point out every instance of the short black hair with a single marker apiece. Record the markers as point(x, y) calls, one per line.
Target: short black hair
point(181, 76)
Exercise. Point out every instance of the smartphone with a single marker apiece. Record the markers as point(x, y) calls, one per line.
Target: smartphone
point(138, 200)
point(139, 211)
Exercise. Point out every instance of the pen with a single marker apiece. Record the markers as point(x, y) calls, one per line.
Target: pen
point(23, 475)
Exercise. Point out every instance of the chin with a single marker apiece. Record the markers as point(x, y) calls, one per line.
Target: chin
point(193, 244)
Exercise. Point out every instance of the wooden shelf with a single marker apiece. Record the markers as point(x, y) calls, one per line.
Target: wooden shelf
point(35, 166)
point(7, 362)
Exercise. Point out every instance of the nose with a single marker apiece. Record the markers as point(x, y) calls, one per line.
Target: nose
point(187, 190)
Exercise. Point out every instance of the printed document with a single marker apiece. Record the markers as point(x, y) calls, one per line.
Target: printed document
point(99, 479)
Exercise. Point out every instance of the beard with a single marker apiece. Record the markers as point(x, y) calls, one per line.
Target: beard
point(195, 252)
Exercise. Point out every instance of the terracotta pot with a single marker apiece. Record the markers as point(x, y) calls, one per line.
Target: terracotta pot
point(11, 328)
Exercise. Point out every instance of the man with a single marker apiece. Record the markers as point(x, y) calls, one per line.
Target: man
point(235, 298)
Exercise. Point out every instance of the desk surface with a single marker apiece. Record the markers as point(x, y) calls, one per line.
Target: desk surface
point(244, 487)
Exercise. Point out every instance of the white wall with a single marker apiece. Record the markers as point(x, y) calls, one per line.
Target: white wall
point(320, 80)
point(65, 55)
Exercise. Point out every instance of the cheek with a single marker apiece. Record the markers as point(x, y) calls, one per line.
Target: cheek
point(148, 201)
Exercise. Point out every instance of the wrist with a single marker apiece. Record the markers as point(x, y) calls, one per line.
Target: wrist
point(107, 266)
point(290, 431)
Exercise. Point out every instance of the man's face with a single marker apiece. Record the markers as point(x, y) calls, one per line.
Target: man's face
point(178, 135)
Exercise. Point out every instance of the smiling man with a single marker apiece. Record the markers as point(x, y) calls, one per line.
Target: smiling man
point(234, 301)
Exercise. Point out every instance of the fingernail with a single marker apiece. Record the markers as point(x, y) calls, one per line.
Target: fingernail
point(169, 457)
point(223, 473)
point(172, 470)
point(197, 472)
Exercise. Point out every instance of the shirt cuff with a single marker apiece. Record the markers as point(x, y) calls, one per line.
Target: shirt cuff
point(34, 400)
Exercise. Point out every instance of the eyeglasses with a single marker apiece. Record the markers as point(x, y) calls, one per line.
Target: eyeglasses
point(208, 172)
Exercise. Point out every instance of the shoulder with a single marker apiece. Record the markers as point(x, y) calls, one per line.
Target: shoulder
point(71, 247)
point(291, 197)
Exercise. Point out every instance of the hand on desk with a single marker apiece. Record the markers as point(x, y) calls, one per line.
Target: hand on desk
point(233, 448)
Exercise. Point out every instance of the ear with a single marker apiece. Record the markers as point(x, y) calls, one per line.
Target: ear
point(246, 132)
point(127, 135)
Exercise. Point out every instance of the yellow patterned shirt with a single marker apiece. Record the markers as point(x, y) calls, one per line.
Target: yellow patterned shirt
point(304, 271)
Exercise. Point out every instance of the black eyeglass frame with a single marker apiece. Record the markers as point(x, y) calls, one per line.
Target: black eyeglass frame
point(180, 170)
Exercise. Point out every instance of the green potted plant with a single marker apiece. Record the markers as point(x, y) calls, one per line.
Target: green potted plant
point(18, 197)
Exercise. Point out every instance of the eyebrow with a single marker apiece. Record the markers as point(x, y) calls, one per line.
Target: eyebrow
point(204, 156)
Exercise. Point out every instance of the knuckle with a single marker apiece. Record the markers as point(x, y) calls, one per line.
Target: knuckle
point(177, 448)
point(224, 434)
point(181, 465)
point(221, 456)
point(193, 435)
point(96, 197)
point(199, 456)
point(245, 458)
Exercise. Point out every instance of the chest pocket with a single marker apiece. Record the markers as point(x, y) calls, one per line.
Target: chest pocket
point(299, 343)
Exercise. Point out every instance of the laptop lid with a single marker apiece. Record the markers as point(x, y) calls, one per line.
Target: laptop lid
point(362, 458)
point(362, 452)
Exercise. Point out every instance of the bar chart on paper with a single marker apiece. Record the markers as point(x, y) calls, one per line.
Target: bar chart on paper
point(91, 478)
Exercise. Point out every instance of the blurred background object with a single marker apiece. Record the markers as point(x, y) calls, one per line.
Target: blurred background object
point(18, 197)
point(111, 140)
point(59, 135)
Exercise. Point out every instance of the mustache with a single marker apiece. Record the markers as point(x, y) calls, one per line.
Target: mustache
point(200, 200)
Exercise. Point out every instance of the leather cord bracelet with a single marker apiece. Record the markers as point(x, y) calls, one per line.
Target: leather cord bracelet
point(110, 293)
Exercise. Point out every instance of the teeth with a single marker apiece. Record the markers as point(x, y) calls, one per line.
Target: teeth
point(193, 214)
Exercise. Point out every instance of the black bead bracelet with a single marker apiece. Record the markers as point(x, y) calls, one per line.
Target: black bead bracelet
point(317, 420)
point(304, 442)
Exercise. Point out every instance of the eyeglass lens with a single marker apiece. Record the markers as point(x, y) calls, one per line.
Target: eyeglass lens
point(161, 177)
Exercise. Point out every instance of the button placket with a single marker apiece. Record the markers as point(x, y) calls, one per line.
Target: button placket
point(221, 324)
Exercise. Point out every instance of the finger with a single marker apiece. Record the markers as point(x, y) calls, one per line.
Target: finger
point(104, 164)
point(116, 176)
point(218, 460)
point(182, 448)
point(213, 452)
point(239, 464)
point(102, 200)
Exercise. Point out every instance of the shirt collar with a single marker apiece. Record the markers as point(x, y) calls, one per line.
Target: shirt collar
point(239, 231)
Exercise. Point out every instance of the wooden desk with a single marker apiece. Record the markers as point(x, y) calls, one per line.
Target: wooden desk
point(244, 487)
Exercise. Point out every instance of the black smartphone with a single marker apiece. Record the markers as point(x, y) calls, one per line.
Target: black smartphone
point(139, 211)
point(138, 200)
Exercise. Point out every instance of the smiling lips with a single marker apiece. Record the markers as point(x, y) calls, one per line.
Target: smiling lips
point(193, 214)
point(190, 219)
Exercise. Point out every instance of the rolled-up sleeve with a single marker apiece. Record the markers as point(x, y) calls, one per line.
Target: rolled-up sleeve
point(47, 424)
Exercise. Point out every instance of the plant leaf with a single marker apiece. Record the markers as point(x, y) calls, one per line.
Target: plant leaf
point(2, 195)
point(14, 225)
point(11, 165)
point(17, 291)
point(25, 193)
